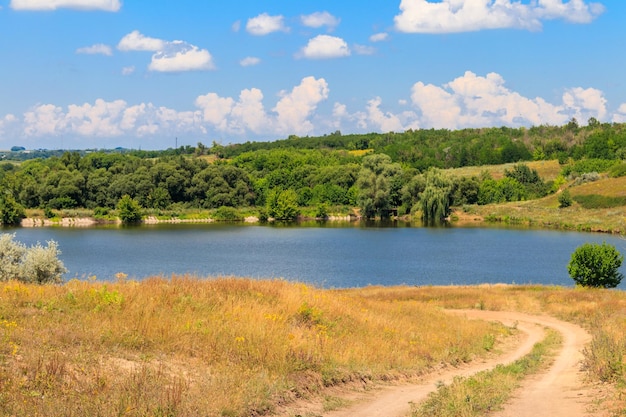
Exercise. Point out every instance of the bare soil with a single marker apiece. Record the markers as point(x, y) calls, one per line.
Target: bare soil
point(559, 391)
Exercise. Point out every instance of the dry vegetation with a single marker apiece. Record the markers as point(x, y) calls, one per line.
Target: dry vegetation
point(219, 347)
point(239, 347)
point(545, 212)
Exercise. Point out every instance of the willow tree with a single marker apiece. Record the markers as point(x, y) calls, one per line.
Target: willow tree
point(435, 199)
point(379, 183)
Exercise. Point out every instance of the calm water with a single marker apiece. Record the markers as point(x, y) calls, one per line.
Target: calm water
point(331, 256)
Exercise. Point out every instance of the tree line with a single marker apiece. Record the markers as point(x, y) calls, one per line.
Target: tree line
point(382, 174)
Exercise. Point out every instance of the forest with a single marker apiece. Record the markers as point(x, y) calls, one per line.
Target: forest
point(381, 174)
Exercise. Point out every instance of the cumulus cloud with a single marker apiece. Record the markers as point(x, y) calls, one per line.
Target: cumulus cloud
point(136, 41)
point(48, 5)
point(290, 115)
point(475, 101)
point(265, 24)
point(469, 100)
point(319, 19)
point(448, 16)
point(128, 70)
point(97, 49)
point(178, 56)
point(174, 56)
point(294, 108)
point(379, 37)
point(249, 61)
point(324, 47)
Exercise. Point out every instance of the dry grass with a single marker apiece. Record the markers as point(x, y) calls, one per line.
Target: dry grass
point(602, 312)
point(219, 347)
point(239, 347)
point(547, 170)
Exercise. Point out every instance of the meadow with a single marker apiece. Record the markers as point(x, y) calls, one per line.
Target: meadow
point(187, 346)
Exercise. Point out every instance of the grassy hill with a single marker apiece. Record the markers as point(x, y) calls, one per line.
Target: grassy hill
point(240, 347)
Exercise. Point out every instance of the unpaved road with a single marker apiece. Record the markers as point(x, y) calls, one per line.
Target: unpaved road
point(557, 392)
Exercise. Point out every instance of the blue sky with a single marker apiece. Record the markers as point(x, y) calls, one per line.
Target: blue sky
point(149, 74)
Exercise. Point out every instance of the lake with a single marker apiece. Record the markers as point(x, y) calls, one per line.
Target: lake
point(334, 255)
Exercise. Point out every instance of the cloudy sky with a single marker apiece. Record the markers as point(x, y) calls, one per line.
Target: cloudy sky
point(149, 74)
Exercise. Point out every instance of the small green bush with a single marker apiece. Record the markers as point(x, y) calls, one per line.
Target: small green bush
point(129, 210)
point(229, 214)
point(565, 199)
point(594, 265)
point(618, 170)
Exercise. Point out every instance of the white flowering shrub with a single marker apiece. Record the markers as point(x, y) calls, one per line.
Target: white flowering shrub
point(37, 264)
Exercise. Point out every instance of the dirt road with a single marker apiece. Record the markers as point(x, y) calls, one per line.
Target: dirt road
point(557, 392)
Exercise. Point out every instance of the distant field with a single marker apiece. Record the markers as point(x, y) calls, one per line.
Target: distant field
point(548, 170)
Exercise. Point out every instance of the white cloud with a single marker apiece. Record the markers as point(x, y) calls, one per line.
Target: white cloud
point(385, 122)
point(319, 19)
point(249, 61)
point(379, 37)
point(47, 5)
point(294, 108)
point(135, 41)
point(620, 114)
point(175, 56)
point(447, 16)
point(178, 56)
point(475, 101)
point(128, 70)
point(236, 26)
point(325, 46)
point(469, 100)
point(364, 49)
point(265, 24)
point(96, 49)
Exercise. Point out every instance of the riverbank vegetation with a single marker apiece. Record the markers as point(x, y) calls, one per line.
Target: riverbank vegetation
point(431, 174)
point(239, 347)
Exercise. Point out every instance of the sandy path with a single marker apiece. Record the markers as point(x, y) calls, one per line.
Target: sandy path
point(558, 392)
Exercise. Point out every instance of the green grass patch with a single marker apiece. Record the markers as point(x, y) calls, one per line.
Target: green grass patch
point(489, 390)
point(596, 201)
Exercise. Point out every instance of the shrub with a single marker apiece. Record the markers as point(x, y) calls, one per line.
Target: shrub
point(11, 212)
point(618, 170)
point(227, 214)
point(37, 264)
point(129, 210)
point(565, 199)
point(594, 265)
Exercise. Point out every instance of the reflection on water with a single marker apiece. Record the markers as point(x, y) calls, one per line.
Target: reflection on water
point(331, 254)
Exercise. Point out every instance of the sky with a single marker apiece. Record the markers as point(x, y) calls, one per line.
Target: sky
point(155, 74)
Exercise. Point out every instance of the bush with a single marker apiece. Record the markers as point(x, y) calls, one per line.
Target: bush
point(229, 214)
point(565, 199)
point(11, 212)
point(618, 170)
point(129, 210)
point(594, 265)
point(37, 264)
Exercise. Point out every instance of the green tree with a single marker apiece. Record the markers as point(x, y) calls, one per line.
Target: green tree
point(379, 186)
point(435, 198)
point(11, 212)
point(129, 210)
point(594, 265)
point(283, 205)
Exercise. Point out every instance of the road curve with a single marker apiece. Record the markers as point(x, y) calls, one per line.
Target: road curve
point(557, 392)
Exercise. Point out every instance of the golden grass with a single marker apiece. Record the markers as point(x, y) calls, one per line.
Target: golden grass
point(218, 347)
point(238, 347)
point(611, 187)
point(547, 170)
